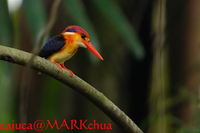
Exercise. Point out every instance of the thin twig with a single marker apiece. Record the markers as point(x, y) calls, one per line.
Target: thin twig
point(96, 97)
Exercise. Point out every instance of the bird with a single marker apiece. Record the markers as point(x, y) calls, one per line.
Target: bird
point(62, 47)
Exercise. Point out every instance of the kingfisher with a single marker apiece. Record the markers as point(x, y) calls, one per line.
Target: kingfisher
point(62, 47)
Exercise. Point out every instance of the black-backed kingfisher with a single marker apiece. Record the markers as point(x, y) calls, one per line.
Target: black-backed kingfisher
point(62, 47)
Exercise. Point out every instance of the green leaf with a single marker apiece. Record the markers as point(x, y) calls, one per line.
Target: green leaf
point(116, 17)
point(35, 15)
point(77, 11)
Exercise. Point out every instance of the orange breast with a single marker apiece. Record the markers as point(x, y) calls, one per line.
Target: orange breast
point(67, 51)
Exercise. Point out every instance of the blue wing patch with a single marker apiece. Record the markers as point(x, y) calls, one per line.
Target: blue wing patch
point(54, 45)
point(71, 30)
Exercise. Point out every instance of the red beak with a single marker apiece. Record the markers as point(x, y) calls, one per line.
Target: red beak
point(92, 49)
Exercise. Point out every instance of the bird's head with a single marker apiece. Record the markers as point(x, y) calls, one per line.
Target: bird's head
point(82, 39)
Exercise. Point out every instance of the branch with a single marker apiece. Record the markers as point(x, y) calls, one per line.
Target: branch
point(96, 97)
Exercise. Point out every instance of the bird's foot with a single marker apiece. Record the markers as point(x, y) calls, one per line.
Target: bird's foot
point(62, 66)
point(67, 69)
point(58, 65)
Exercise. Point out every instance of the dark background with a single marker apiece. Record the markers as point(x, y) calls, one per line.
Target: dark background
point(150, 68)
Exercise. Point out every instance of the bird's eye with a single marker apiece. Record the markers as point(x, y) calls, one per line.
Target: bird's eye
point(83, 36)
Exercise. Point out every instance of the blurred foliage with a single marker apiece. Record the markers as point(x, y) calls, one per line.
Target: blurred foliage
point(7, 92)
point(36, 16)
point(124, 32)
point(120, 23)
point(5, 24)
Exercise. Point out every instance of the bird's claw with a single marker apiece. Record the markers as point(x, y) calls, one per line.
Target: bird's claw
point(67, 69)
point(62, 66)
